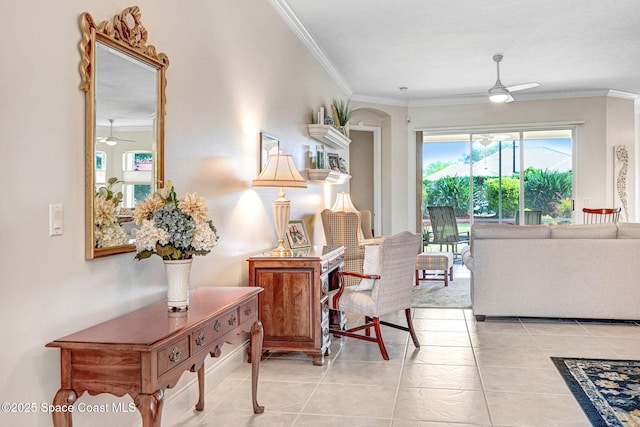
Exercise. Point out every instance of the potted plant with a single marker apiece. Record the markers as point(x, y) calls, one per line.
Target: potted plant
point(341, 114)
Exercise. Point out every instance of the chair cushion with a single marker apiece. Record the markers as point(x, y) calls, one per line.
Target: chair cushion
point(370, 265)
point(352, 301)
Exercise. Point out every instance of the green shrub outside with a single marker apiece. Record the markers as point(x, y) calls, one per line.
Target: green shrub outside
point(547, 191)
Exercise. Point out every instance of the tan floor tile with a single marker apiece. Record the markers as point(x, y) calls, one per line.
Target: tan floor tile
point(352, 400)
point(292, 370)
point(495, 340)
point(535, 410)
point(441, 355)
point(418, 423)
point(613, 330)
point(461, 406)
point(512, 357)
point(497, 327)
point(524, 380)
point(334, 421)
point(246, 418)
point(441, 376)
point(452, 339)
point(356, 350)
point(438, 313)
point(366, 373)
point(441, 325)
point(555, 329)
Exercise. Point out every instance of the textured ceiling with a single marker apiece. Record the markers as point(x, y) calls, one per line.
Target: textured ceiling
point(442, 50)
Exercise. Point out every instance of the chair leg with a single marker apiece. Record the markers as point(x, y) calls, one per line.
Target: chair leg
point(383, 350)
point(450, 273)
point(446, 278)
point(412, 332)
point(367, 331)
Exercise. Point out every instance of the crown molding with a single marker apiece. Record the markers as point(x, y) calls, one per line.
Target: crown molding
point(284, 10)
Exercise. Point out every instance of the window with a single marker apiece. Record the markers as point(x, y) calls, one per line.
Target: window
point(137, 174)
point(483, 175)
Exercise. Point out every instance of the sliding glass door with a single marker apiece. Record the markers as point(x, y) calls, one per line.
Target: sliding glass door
point(519, 176)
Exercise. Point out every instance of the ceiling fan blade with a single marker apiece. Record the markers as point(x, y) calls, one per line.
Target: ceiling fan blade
point(522, 87)
point(509, 99)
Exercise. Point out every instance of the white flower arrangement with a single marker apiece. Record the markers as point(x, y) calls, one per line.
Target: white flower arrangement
point(173, 229)
point(107, 229)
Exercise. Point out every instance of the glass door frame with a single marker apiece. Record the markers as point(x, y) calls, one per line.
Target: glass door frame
point(521, 130)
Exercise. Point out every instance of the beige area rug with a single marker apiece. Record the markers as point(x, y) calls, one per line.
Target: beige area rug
point(434, 294)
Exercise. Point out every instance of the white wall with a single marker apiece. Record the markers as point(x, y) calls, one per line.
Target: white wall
point(235, 69)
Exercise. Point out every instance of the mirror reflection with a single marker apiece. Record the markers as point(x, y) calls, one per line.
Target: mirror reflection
point(124, 82)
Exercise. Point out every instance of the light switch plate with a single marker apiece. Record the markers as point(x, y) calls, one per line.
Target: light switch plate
point(55, 220)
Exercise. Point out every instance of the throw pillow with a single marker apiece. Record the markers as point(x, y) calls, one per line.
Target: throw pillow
point(370, 265)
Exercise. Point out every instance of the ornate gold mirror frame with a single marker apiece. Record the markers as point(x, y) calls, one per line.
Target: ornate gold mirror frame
point(124, 80)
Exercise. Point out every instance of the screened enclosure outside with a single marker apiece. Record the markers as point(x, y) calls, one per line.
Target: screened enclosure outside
point(484, 176)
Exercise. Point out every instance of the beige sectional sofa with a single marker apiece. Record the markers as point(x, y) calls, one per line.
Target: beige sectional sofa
point(571, 271)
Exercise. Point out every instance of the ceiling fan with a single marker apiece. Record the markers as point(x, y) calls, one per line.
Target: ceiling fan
point(112, 140)
point(500, 93)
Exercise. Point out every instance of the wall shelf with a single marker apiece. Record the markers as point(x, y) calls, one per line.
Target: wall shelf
point(329, 135)
point(328, 175)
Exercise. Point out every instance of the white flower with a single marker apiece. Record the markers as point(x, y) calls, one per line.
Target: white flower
point(204, 238)
point(148, 235)
point(166, 190)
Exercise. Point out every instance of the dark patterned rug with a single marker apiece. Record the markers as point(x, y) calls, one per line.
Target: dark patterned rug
point(608, 390)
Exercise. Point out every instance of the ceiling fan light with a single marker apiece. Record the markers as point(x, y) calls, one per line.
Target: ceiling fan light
point(110, 140)
point(498, 95)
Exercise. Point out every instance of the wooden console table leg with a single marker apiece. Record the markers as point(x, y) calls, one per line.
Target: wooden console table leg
point(200, 404)
point(64, 397)
point(257, 334)
point(150, 407)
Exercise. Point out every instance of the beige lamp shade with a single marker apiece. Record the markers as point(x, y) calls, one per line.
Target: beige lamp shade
point(343, 203)
point(280, 171)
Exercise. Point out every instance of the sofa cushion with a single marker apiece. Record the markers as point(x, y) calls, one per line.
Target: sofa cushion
point(628, 230)
point(585, 231)
point(507, 231)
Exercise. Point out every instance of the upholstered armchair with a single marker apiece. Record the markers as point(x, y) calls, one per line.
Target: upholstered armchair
point(386, 290)
point(343, 229)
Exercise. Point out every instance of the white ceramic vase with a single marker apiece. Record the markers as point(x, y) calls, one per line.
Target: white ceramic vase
point(178, 284)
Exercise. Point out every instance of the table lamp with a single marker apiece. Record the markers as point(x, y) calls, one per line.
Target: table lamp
point(343, 203)
point(280, 171)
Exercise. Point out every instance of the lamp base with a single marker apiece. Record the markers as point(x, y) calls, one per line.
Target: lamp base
point(281, 251)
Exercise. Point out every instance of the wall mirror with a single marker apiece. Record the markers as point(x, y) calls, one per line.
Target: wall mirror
point(269, 144)
point(124, 82)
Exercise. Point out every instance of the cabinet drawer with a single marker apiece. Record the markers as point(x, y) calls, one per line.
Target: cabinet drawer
point(173, 354)
point(249, 310)
point(202, 337)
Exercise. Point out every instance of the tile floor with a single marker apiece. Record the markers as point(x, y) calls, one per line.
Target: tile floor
point(465, 374)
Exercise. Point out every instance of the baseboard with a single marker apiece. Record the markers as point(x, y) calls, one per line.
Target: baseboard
point(184, 399)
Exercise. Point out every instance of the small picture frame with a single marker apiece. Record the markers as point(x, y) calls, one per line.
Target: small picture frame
point(334, 161)
point(268, 144)
point(297, 235)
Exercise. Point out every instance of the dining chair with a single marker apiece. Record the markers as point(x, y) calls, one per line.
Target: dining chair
point(600, 215)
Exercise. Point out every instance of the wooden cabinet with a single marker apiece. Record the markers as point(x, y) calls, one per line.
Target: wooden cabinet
point(294, 306)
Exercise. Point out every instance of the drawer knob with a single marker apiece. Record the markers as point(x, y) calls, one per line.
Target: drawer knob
point(217, 326)
point(247, 311)
point(200, 339)
point(232, 320)
point(174, 356)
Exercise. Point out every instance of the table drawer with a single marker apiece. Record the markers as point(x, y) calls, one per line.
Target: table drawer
point(173, 354)
point(249, 310)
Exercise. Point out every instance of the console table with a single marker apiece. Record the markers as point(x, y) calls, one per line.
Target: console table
point(144, 352)
point(294, 307)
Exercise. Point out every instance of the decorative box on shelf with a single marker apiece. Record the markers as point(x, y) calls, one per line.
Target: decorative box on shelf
point(328, 175)
point(329, 135)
